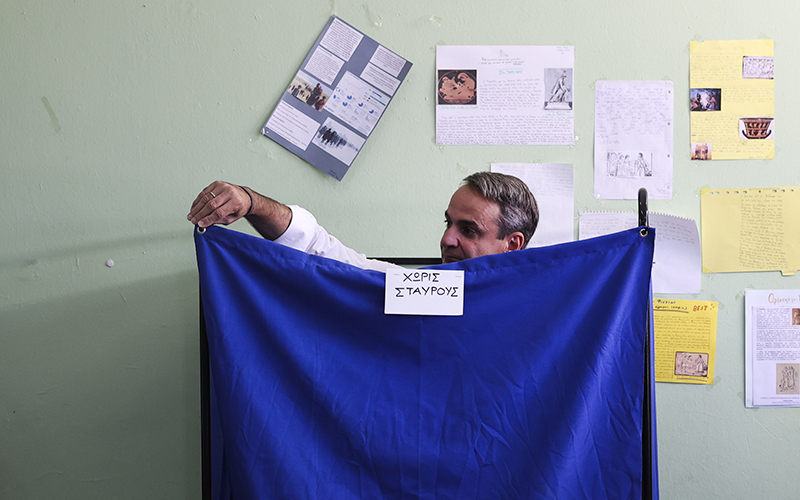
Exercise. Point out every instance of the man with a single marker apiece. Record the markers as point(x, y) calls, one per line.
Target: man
point(490, 213)
point(642, 167)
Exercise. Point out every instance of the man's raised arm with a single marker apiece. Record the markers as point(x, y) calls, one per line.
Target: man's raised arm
point(224, 203)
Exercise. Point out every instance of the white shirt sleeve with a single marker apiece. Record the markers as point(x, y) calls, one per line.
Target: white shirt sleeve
point(306, 235)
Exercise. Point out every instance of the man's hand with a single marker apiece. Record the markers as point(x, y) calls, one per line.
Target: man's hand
point(219, 203)
point(224, 203)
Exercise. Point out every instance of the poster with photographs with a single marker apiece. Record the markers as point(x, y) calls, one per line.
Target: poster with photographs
point(732, 100)
point(772, 348)
point(336, 98)
point(504, 95)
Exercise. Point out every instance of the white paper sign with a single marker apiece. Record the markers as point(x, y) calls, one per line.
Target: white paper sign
point(424, 291)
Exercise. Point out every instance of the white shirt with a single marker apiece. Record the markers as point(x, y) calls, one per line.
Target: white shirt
point(306, 235)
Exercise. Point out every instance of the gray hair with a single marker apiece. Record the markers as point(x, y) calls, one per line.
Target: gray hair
point(518, 209)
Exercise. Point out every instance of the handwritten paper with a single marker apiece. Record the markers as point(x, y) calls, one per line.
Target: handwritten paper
point(685, 340)
point(750, 229)
point(676, 266)
point(552, 186)
point(336, 98)
point(633, 139)
point(772, 348)
point(732, 100)
point(504, 95)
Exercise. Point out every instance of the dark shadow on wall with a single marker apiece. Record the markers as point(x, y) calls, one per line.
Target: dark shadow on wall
point(100, 394)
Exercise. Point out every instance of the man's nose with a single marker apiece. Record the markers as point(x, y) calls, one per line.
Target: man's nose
point(449, 238)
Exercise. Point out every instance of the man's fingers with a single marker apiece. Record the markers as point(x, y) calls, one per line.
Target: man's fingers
point(199, 203)
point(217, 204)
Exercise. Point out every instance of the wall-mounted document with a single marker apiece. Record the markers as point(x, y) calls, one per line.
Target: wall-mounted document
point(772, 348)
point(685, 340)
point(732, 99)
point(552, 186)
point(750, 229)
point(336, 98)
point(676, 266)
point(505, 95)
point(633, 139)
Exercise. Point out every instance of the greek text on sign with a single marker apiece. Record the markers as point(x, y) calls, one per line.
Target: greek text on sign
point(424, 291)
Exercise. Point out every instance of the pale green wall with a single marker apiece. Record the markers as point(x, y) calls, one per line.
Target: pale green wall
point(113, 115)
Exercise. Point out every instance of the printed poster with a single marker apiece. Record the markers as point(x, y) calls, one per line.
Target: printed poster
point(336, 99)
point(772, 348)
point(505, 95)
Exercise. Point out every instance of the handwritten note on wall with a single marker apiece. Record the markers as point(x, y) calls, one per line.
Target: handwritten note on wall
point(750, 229)
point(633, 139)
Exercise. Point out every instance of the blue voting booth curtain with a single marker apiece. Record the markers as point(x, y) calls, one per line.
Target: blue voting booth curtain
point(535, 392)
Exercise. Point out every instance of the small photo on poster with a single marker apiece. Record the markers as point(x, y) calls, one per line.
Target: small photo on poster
point(691, 364)
point(757, 127)
point(787, 378)
point(760, 67)
point(338, 141)
point(458, 87)
point(701, 151)
point(309, 91)
point(558, 82)
point(706, 100)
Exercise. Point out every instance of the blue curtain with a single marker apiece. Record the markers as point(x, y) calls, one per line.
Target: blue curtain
point(535, 392)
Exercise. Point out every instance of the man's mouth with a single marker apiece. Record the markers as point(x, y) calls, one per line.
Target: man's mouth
point(446, 259)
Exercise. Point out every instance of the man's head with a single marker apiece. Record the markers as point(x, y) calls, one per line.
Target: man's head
point(490, 213)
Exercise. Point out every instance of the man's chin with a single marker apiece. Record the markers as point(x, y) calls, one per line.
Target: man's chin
point(447, 259)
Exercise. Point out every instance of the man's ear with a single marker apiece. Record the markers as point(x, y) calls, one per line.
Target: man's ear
point(515, 241)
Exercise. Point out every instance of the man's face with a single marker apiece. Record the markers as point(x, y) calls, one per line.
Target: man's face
point(472, 228)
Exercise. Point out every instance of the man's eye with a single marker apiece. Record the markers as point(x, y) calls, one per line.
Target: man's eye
point(447, 223)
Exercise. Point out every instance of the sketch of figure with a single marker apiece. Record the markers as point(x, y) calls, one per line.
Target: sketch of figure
point(623, 164)
point(611, 164)
point(642, 167)
point(691, 364)
point(560, 90)
point(627, 166)
point(788, 381)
